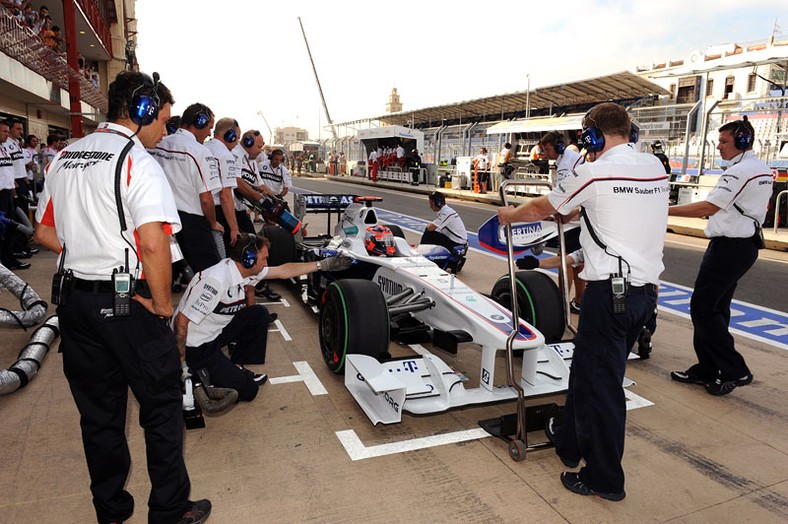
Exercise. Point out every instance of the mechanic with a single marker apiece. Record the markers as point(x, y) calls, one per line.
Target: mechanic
point(111, 342)
point(374, 156)
point(251, 186)
point(448, 229)
point(656, 148)
point(736, 208)
point(553, 146)
point(623, 261)
point(481, 164)
point(275, 175)
point(505, 161)
point(225, 137)
point(193, 174)
point(218, 309)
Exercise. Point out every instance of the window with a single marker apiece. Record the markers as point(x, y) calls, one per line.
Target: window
point(709, 87)
point(751, 82)
point(728, 87)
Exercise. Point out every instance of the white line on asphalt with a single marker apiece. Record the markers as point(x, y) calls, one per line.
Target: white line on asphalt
point(358, 451)
point(313, 383)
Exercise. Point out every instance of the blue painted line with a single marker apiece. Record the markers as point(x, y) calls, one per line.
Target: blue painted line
point(748, 320)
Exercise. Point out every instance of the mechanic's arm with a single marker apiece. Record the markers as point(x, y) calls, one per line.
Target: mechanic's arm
point(155, 257)
point(291, 269)
point(181, 334)
point(246, 190)
point(228, 208)
point(47, 237)
point(209, 211)
point(529, 211)
point(694, 210)
point(285, 191)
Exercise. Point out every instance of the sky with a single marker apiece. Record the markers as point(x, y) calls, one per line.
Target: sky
point(244, 58)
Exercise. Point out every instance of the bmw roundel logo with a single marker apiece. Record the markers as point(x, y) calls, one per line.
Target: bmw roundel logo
point(498, 317)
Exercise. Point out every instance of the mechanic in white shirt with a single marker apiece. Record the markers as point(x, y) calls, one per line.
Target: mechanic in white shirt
point(482, 163)
point(736, 208)
point(193, 174)
point(373, 164)
point(401, 156)
point(250, 185)
point(624, 195)
point(448, 229)
point(218, 309)
point(7, 205)
point(225, 137)
point(109, 349)
point(275, 175)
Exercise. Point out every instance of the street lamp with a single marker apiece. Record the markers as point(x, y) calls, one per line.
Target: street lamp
point(528, 97)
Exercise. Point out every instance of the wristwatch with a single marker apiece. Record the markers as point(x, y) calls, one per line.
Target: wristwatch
point(319, 267)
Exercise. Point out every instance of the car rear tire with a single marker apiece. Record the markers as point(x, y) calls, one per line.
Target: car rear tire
point(283, 248)
point(354, 319)
point(538, 302)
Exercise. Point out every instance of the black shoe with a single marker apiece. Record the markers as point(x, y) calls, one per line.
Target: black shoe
point(259, 378)
point(691, 376)
point(267, 292)
point(644, 344)
point(572, 482)
point(197, 512)
point(23, 254)
point(574, 307)
point(32, 250)
point(552, 429)
point(15, 264)
point(723, 387)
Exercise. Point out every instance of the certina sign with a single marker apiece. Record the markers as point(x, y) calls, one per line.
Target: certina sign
point(522, 234)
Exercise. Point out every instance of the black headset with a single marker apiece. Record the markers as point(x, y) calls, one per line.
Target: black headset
point(594, 141)
point(230, 136)
point(248, 140)
point(742, 134)
point(275, 152)
point(144, 103)
point(437, 198)
point(248, 257)
point(560, 144)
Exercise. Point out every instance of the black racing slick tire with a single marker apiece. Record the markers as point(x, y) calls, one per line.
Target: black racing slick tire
point(283, 248)
point(396, 230)
point(354, 319)
point(538, 302)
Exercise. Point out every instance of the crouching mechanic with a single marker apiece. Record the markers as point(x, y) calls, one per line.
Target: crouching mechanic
point(220, 299)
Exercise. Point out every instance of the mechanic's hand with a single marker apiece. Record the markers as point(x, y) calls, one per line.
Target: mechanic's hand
point(216, 226)
point(527, 262)
point(337, 263)
point(185, 372)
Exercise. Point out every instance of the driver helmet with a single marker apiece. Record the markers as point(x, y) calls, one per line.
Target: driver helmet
point(379, 240)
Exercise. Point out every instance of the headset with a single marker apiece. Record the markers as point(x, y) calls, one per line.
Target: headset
point(230, 136)
point(248, 257)
point(437, 198)
point(593, 139)
point(144, 103)
point(560, 144)
point(248, 140)
point(201, 119)
point(742, 134)
point(275, 152)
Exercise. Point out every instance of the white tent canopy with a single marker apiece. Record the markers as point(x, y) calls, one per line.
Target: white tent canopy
point(541, 124)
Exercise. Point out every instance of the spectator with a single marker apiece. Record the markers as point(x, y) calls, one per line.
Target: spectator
point(43, 13)
point(481, 164)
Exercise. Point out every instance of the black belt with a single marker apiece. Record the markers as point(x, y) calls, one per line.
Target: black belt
point(93, 286)
point(638, 289)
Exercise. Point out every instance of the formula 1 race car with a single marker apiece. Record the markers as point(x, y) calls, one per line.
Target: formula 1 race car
point(393, 292)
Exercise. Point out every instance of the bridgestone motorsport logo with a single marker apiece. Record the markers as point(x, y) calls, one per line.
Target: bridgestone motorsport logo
point(83, 159)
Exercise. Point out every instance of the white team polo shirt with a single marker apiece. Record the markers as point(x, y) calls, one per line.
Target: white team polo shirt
point(228, 169)
point(625, 195)
point(566, 162)
point(79, 201)
point(190, 168)
point(276, 179)
point(450, 224)
point(6, 168)
point(747, 183)
point(247, 171)
point(212, 299)
point(13, 149)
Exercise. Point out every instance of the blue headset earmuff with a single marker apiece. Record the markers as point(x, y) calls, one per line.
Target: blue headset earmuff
point(437, 199)
point(560, 145)
point(144, 103)
point(248, 140)
point(634, 133)
point(230, 136)
point(742, 135)
point(202, 119)
point(249, 254)
point(593, 141)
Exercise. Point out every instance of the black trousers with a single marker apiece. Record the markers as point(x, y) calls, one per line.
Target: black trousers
point(196, 241)
point(245, 224)
point(726, 260)
point(595, 411)
point(102, 358)
point(433, 237)
point(247, 335)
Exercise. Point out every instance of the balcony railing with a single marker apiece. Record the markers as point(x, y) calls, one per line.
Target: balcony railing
point(22, 44)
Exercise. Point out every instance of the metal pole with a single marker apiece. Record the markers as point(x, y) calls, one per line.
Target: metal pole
point(704, 132)
point(690, 116)
point(528, 98)
point(72, 57)
point(319, 87)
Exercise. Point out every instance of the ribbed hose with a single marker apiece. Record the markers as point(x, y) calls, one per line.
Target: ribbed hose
point(30, 358)
point(33, 308)
point(215, 401)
